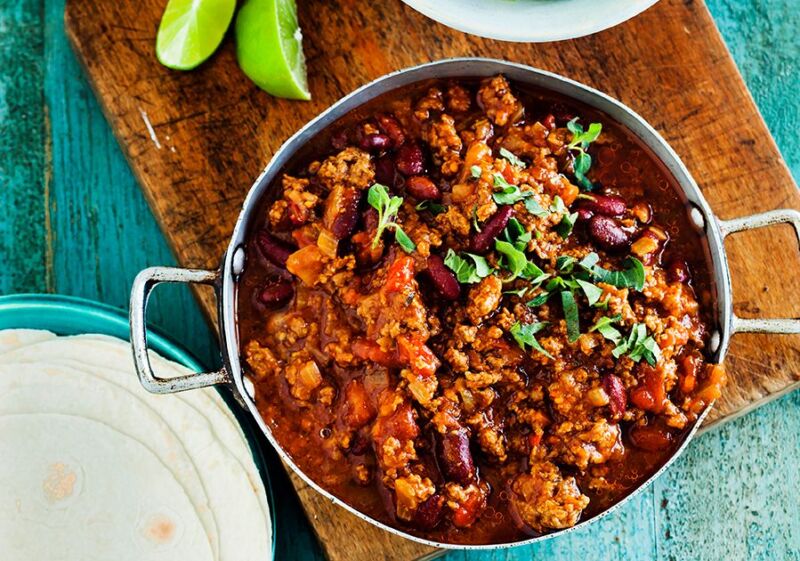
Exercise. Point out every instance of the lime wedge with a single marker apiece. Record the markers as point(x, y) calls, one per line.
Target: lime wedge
point(269, 47)
point(191, 30)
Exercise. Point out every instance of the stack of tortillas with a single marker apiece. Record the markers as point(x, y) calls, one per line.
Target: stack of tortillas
point(92, 467)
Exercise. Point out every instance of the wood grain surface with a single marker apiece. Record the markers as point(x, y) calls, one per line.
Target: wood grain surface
point(196, 141)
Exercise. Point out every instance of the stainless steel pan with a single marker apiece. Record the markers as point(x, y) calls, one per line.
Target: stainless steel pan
point(225, 279)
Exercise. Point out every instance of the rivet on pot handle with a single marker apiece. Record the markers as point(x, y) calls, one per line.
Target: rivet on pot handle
point(143, 284)
point(780, 216)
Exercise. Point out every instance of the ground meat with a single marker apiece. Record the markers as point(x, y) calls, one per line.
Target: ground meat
point(545, 500)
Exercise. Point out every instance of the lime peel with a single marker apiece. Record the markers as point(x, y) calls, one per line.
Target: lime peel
point(191, 30)
point(269, 47)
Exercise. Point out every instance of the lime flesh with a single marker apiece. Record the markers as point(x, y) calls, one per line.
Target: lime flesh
point(191, 30)
point(269, 47)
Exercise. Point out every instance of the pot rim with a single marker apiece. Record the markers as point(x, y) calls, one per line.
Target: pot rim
point(704, 218)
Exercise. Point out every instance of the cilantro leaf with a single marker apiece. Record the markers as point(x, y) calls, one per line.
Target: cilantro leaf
point(508, 193)
point(523, 334)
point(403, 240)
point(637, 345)
point(515, 161)
point(466, 272)
point(558, 205)
point(475, 171)
point(387, 207)
point(535, 208)
point(571, 315)
point(581, 138)
point(592, 292)
point(565, 263)
point(434, 208)
point(539, 300)
point(578, 145)
point(605, 326)
point(513, 259)
point(564, 228)
point(632, 276)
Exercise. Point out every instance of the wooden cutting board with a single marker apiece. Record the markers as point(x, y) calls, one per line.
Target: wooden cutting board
point(197, 140)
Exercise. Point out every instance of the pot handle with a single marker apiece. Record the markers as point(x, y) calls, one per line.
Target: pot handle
point(779, 216)
point(143, 284)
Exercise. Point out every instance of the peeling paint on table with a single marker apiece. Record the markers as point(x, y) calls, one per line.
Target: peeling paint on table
point(73, 221)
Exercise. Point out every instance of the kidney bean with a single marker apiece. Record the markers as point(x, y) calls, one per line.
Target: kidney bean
point(340, 139)
point(617, 396)
point(678, 271)
point(392, 128)
point(385, 172)
point(422, 188)
point(429, 513)
point(276, 293)
point(375, 143)
point(443, 278)
point(455, 458)
point(274, 249)
point(608, 233)
point(409, 159)
point(482, 241)
point(650, 437)
point(549, 121)
point(607, 205)
point(584, 214)
point(346, 218)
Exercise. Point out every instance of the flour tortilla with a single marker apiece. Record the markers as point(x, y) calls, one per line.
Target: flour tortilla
point(11, 339)
point(77, 490)
point(213, 440)
point(47, 388)
point(114, 362)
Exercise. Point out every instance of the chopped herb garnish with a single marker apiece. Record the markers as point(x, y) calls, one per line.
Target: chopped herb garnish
point(638, 345)
point(387, 207)
point(518, 292)
point(571, 315)
point(431, 206)
point(508, 194)
point(533, 273)
point(578, 145)
point(402, 238)
point(539, 300)
point(475, 171)
point(523, 334)
point(515, 234)
point(632, 276)
point(535, 208)
point(513, 259)
point(592, 292)
point(564, 228)
point(565, 263)
point(512, 158)
point(558, 205)
point(466, 272)
point(606, 329)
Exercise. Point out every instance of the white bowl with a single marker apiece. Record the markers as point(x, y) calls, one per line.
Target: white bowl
point(531, 21)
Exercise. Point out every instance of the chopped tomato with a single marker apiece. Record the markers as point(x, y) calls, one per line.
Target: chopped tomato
point(358, 409)
point(417, 355)
point(370, 350)
point(401, 274)
point(468, 511)
point(650, 394)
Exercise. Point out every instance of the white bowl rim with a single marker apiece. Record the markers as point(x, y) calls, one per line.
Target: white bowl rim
point(491, 30)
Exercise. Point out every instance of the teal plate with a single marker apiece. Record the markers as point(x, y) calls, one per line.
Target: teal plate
point(67, 315)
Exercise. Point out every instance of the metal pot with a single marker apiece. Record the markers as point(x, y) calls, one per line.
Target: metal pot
point(225, 279)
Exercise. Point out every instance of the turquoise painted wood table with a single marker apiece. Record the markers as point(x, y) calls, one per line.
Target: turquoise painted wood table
point(73, 221)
